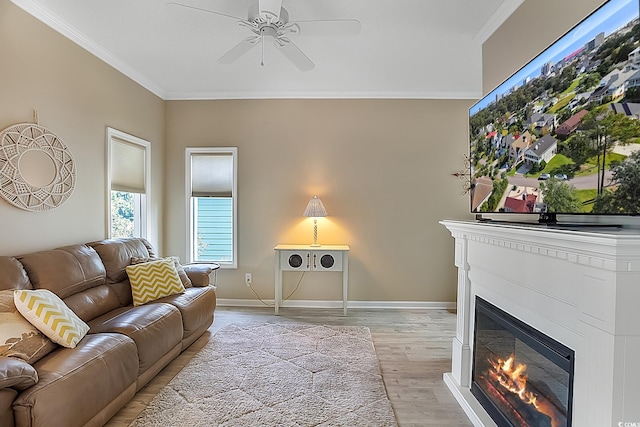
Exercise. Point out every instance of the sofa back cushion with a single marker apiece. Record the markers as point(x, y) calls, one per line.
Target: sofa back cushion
point(64, 271)
point(12, 274)
point(116, 255)
point(76, 274)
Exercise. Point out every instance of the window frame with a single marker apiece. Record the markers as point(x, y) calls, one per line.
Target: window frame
point(143, 225)
point(189, 206)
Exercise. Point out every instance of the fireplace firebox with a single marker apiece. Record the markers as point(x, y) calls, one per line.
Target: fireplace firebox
point(520, 376)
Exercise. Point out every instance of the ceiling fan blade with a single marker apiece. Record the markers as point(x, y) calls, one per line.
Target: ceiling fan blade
point(238, 50)
point(334, 27)
point(294, 54)
point(270, 8)
point(205, 10)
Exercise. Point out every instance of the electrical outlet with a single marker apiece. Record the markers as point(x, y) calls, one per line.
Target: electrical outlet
point(248, 279)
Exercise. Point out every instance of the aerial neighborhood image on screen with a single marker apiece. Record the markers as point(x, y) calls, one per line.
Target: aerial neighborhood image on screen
point(562, 134)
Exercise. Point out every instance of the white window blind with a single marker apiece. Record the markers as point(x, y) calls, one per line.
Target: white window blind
point(127, 166)
point(211, 193)
point(212, 175)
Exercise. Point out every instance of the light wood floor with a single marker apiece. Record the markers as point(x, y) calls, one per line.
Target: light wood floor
point(413, 347)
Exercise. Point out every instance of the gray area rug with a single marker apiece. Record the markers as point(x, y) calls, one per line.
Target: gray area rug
point(277, 374)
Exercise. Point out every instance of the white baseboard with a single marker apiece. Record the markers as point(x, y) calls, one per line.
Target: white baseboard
point(404, 305)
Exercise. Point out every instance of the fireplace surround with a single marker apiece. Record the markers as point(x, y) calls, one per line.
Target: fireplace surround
point(580, 287)
point(519, 375)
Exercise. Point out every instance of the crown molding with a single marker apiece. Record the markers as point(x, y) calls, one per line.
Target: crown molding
point(222, 95)
point(501, 14)
point(58, 24)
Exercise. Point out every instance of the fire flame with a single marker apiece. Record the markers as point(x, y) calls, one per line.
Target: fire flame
point(511, 375)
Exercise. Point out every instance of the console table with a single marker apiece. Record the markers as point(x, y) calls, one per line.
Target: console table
point(311, 258)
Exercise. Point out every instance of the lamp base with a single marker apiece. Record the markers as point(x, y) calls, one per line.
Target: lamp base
point(315, 243)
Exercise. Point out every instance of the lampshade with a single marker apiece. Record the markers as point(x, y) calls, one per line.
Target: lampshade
point(315, 208)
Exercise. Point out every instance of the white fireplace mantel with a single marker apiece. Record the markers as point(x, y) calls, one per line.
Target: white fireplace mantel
point(580, 286)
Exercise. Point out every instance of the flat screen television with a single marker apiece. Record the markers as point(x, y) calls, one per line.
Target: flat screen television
point(562, 134)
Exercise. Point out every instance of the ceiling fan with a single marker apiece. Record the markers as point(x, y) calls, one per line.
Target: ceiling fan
point(267, 19)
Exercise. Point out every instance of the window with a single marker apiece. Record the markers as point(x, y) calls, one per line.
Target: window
point(128, 184)
point(211, 200)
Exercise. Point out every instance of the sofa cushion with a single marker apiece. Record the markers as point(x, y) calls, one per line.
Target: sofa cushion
point(65, 271)
point(184, 278)
point(152, 280)
point(16, 374)
point(47, 312)
point(155, 328)
point(13, 275)
point(77, 384)
point(76, 274)
point(116, 255)
point(18, 337)
point(196, 307)
point(96, 301)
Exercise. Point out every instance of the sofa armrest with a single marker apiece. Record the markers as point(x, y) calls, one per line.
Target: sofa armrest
point(7, 396)
point(199, 273)
point(16, 373)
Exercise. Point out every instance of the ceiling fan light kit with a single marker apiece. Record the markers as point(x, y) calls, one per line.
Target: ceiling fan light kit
point(268, 19)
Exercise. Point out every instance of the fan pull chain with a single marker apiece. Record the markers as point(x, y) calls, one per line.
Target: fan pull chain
point(262, 59)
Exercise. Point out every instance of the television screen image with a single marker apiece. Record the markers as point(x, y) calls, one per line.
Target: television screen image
point(562, 134)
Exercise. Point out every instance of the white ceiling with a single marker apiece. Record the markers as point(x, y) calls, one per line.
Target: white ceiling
point(406, 48)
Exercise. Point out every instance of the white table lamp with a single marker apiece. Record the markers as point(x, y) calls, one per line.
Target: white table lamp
point(315, 209)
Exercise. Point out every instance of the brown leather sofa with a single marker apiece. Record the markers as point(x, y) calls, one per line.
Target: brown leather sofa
point(125, 348)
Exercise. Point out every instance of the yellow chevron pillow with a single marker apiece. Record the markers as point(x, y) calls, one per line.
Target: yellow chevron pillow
point(152, 280)
point(19, 338)
point(47, 312)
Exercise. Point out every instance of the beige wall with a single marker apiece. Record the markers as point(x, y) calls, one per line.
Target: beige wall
point(382, 168)
point(77, 96)
point(528, 31)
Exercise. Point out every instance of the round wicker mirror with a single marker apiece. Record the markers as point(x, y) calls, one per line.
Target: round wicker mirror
point(37, 172)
